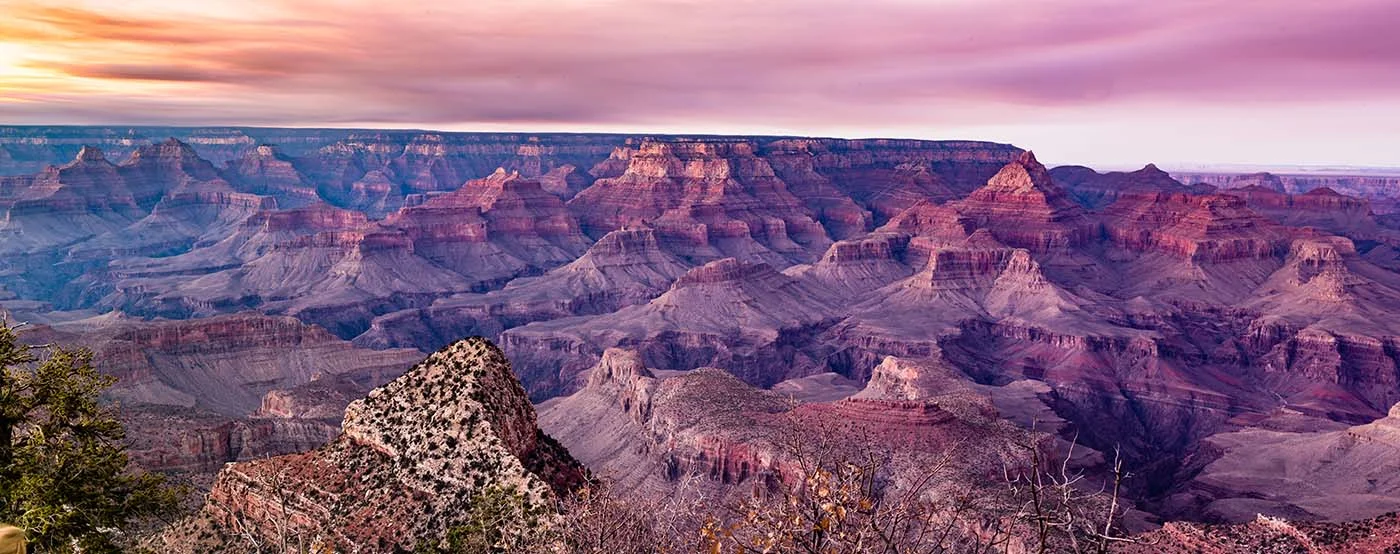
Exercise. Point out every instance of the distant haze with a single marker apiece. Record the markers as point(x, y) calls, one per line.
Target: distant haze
point(1100, 82)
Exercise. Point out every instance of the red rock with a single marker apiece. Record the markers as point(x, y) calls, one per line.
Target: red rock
point(1321, 208)
point(1373, 187)
point(1272, 534)
point(152, 171)
point(1095, 190)
point(409, 459)
point(624, 268)
point(856, 267)
point(711, 191)
point(196, 445)
point(227, 364)
point(650, 433)
point(738, 315)
point(265, 170)
point(1206, 229)
point(1024, 208)
point(508, 222)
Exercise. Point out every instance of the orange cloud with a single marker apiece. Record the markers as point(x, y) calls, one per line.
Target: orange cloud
point(779, 64)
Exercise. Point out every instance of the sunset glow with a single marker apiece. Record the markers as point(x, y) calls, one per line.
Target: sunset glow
point(1088, 81)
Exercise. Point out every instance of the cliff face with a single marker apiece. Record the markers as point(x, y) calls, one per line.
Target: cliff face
point(197, 394)
point(1095, 190)
point(530, 227)
point(626, 267)
point(1205, 229)
point(227, 364)
point(747, 317)
point(1363, 186)
point(652, 433)
point(410, 457)
point(1023, 207)
point(704, 194)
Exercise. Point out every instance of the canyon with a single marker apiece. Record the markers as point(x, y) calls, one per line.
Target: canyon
point(684, 306)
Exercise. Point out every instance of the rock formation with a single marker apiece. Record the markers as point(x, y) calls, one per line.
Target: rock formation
point(1331, 474)
point(408, 462)
point(197, 394)
point(1023, 207)
point(494, 228)
point(746, 317)
point(266, 170)
point(707, 199)
point(624, 268)
point(1095, 190)
point(651, 433)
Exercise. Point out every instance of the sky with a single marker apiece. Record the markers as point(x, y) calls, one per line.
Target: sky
point(1110, 83)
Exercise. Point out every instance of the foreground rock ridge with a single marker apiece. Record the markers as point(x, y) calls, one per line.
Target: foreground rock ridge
point(410, 457)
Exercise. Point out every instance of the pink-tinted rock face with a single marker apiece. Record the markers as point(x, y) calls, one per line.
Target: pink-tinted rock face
point(1023, 207)
point(88, 185)
point(376, 171)
point(624, 268)
point(964, 165)
point(154, 170)
point(1324, 209)
point(227, 364)
point(929, 219)
point(1095, 190)
point(747, 317)
point(199, 445)
point(319, 217)
point(1267, 181)
point(830, 205)
point(705, 428)
point(266, 170)
point(1208, 228)
point(411, 456)
point(197, 394)
point(1375, 187)
point(504, 216)
point(705, 193)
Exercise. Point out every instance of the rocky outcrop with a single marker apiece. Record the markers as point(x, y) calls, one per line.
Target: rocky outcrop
point(1323, 473)
point(1023, 207)
point(155, 170)
point(1095, 190)
point(1324, 335)
point(83, 198)
point(1321, 208)
point(493, 229)
point(707, 198)
point(1272, 534)
point(336, 269)
point(195, 395)
point(265, 170)
point(195, 445)
point(624, 268)
point(1374, 187)
point(227, 364)
point(649, 433)
point(855, 267)
point(409, 460)
point(1262, 180)
point(1203, 229)
point(745, 317)
point(888, 176)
